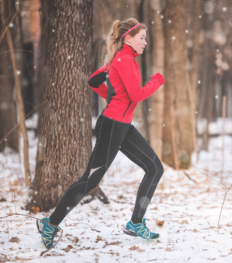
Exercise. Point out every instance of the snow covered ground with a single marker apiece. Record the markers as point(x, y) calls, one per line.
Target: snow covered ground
point(185, 214)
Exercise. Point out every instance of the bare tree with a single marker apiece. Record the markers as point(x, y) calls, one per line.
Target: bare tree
point(157, 101)
point(177, 132)
point(65, 134)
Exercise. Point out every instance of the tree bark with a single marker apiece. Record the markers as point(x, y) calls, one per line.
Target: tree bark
point(65, 133)
point(157, 99)
point(177, 132)
point(207, 86)
point(196, 22)
point(145, 61)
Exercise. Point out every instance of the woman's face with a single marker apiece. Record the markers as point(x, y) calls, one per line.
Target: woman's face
point(137, 42)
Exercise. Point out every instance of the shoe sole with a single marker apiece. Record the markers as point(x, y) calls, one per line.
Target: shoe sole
point(129, 232)
point(133, 233)
point(39, 226)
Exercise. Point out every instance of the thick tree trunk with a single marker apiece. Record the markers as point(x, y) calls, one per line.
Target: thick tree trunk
point(65, 134)
point(177, 132)
point(157, 102)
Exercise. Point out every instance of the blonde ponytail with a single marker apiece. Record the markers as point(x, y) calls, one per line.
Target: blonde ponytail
point(114, 40)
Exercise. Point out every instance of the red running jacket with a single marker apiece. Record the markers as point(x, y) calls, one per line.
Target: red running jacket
point(123, 91)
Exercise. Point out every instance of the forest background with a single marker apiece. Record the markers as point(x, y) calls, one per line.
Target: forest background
point(48, 50)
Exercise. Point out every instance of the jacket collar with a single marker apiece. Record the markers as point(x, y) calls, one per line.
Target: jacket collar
point(129, 50)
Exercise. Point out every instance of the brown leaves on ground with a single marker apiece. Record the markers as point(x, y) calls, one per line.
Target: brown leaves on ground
point(155, 208)
point(99, 239)
point(183, 222)
point(67, 249)
point(35, 209)
point(133, 248)
point(112, 243)
point(160, 223)
point(14, 240)
point(136, 248)
point(22, 259)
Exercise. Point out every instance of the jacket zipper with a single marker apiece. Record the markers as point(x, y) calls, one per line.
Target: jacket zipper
point(127, 109)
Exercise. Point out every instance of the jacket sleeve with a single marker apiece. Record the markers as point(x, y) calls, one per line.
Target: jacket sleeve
point(128, 73)
point(96, 82)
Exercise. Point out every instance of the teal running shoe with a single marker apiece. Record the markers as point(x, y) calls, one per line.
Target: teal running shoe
point(139, 229)
point(47, 231)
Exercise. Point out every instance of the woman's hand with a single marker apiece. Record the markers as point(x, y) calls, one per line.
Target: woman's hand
point(158, 77)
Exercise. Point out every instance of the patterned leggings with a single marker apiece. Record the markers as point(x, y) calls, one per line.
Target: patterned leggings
point(113, 136)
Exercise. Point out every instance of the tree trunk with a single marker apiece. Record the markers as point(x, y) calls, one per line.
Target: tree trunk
point(195, 7)
point(65, 133)
point(144, 16)
point(157, 101)
point(8, 109)
point(177, 132)
point(207, 68)
point(16, 65)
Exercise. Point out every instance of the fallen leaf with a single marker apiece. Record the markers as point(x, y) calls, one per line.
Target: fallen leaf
point(75, 239)
point(67, 249)
point(133, 248)
point(14, 240)
point(98, 239)
point(35, 209)
point(155, 208)
point(2, 200)
point(23, 259)
point(141, 250)
point(183, 222)
point(159, 223)
point(112, 243)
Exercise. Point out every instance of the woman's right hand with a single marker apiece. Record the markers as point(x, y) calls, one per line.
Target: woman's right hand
point(158, 77)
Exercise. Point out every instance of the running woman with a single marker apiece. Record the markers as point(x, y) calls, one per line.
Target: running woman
point(114, 131)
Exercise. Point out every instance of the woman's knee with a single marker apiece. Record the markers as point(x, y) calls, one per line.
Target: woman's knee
point(157, 168)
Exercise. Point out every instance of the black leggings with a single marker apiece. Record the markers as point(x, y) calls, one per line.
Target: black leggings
point(113, 136)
